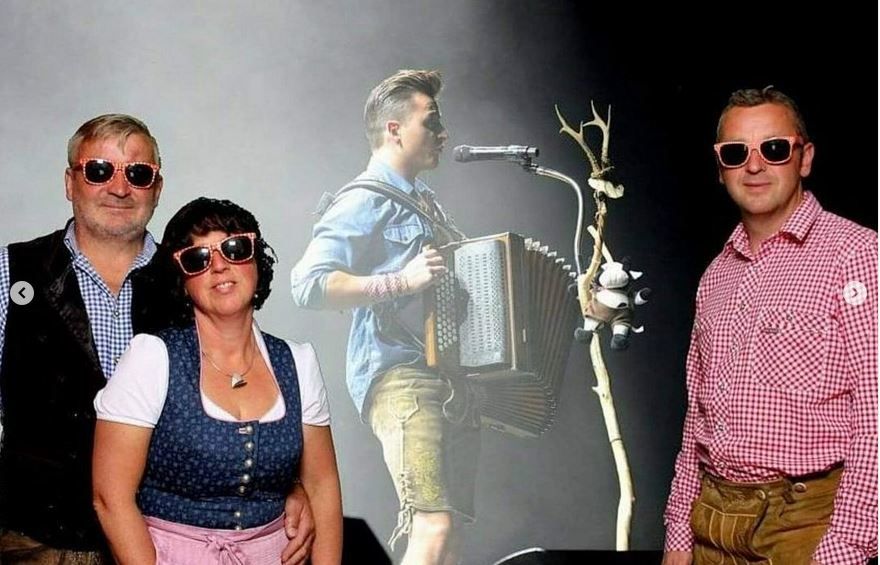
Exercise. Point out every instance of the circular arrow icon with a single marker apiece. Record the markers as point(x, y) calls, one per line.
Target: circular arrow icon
point(854, 293)
point(21, 293)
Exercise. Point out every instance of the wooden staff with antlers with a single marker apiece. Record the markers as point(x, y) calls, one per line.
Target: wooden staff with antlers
point(603, 187)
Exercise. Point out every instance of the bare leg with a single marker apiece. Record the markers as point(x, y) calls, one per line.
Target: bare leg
point(453, 544)
point(430, 539)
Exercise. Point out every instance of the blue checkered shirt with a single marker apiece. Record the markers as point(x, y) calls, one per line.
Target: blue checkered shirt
point(109, 315)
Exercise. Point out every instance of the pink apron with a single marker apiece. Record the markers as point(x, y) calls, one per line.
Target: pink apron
point(181, 544)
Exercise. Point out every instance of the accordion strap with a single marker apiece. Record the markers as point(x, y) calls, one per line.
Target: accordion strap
point(385, 190)
point(431, 213)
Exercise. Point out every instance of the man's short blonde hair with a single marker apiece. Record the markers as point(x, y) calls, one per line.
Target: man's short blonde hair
point(119, 126)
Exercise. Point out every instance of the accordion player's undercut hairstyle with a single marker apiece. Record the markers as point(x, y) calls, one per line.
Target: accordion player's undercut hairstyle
point(391, 100)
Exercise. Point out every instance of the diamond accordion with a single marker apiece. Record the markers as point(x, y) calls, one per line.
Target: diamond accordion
point(503, 318)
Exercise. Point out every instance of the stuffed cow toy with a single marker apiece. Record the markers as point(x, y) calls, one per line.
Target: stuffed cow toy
point(613, 304)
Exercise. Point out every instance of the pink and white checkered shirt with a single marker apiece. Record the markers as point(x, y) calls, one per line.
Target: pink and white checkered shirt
point(782, 373)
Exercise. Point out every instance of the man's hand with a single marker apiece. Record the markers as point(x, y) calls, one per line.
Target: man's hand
point(424, 269)
point(299, 525)
point(678, 558)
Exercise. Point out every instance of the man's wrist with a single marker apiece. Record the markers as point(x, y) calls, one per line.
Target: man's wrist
point(679, 537)
point(833, 551)
point(386, 286)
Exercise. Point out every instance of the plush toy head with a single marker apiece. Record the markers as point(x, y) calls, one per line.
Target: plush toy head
point(617, 275)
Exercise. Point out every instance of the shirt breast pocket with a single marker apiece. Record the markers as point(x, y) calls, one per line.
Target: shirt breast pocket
point(402, 241)
point(790, 349)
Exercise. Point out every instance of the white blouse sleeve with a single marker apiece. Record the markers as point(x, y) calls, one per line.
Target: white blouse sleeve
point(136, 392)
point(312, 394)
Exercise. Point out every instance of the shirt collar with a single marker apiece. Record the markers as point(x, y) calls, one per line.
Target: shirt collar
point(797, 226)
point(147, 250)
point(384, 172)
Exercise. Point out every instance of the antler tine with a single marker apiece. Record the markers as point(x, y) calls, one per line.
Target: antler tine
point(579, 137)
point(605, 127)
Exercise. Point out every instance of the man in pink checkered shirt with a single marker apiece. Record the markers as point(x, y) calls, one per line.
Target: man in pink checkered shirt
point(778, 462)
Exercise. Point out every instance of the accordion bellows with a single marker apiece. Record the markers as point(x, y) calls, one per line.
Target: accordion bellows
point(503, 318)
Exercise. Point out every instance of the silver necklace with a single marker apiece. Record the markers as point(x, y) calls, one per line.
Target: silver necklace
point(236, 380)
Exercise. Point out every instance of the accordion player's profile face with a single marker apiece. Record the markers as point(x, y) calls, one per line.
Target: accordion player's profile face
point(422, 135)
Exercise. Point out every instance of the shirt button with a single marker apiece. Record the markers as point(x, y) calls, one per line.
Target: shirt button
point(245, 479)
point(116, 313)
point(238, 527)
point(242, 489)
point(237, 514)
point(248, 463)
point(249, 446)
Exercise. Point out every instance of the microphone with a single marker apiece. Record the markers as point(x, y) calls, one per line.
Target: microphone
point(466, 153)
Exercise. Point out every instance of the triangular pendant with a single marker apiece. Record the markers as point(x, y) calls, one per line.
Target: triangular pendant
point(237, 381)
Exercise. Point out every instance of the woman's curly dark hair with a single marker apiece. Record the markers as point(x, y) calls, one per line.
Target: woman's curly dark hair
point(199, 217)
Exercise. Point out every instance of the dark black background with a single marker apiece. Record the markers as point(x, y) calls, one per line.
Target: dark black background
point(667, 74)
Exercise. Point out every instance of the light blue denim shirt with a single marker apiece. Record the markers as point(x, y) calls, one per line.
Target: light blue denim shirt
point(365, 233)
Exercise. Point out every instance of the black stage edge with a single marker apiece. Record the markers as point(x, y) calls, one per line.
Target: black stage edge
point(583, 557)
point(360, 545)
point(570, 557)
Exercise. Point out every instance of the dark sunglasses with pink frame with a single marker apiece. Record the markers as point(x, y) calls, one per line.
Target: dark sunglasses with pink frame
point(774, 151)
point(101, 171)
point(196, 259)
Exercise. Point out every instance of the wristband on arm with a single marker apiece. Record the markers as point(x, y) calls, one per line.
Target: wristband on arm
point(387, 286)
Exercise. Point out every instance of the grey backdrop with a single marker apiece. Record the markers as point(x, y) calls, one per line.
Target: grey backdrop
point(261, 103)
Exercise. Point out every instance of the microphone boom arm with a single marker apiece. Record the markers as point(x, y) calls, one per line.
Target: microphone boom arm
point(554, 174)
